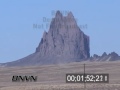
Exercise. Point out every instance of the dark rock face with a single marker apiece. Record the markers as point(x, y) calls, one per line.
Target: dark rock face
point(104, 54)
point(63, 43)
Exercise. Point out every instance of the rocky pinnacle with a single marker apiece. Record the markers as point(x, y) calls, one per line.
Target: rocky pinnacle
point(63, 43)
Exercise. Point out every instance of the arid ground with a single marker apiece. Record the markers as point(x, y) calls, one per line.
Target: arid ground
point(52, 77)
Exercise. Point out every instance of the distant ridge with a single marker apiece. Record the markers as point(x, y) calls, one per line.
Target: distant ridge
point(105, 57)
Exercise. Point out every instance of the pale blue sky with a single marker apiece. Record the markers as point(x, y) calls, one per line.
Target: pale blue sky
point(18, 38)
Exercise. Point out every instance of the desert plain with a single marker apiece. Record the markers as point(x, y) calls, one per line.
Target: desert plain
point(53, 77)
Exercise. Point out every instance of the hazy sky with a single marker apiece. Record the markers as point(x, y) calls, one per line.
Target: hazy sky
point(100, 19)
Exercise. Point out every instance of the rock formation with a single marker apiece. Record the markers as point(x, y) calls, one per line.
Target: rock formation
point(105, 57)
point(64, 39)
point(63, 43)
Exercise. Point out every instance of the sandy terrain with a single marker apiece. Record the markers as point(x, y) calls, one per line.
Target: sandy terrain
point(52, 77)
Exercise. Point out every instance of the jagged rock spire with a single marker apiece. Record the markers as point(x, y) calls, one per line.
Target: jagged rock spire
point(65, 39)
point(63, 43)
point(58, 14)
